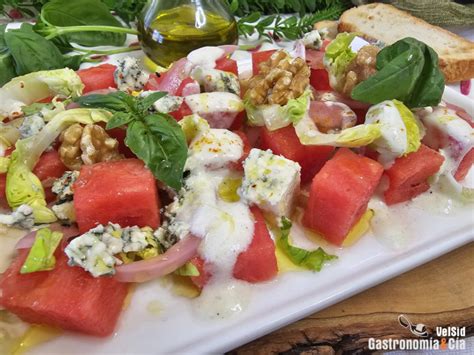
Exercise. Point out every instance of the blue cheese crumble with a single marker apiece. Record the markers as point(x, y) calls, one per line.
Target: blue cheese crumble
point(22, 217)
point(213, 80)
point(166, 104)
point(31, 125)
point(95, 250)
point(270, 181)
point(312, 40)
point(129, 75)
point(64, 207)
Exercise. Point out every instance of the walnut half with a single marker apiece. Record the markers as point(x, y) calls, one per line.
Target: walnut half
point(280, 79)
point(361, 68)
point(87, 145)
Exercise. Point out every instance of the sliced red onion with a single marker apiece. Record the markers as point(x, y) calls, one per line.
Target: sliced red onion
point(229, 49)
point(145, 270)
point(27, 241)
point(68, 232)
point(336, 97)
point(299, 50)
point(461, 113)
point(191, 88)
point(465, 87)
point(171, 80)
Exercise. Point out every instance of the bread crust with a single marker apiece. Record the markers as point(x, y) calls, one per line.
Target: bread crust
point(456, 64)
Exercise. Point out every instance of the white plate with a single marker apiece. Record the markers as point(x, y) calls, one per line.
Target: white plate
point(178, 329)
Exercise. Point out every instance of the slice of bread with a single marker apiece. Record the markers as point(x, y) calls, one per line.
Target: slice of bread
point(389, 24)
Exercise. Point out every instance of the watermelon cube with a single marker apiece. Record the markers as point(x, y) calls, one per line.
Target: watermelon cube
point(122, 191)
point(340, 193)
point(258, 263)
point(285, 142)
point(49, 165)
point(409, 174)
point(65, 297)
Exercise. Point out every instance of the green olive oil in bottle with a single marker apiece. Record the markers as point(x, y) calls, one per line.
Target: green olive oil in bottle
point(170, 29)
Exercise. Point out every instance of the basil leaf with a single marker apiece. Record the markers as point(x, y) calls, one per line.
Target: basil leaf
point(146, 102)
point(7, 68)
point(115, 101)
point(81, 13)
point(119, 119)
point(311, 260)
point(395, 80)
point(73, 61)
point(408, 72)
point(430, 86)
point(32, 52)
point(159, 141)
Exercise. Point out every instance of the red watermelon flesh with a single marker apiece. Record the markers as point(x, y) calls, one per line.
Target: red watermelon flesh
point(258, 263)
point(3, 197)
point(122, 191)
point(285, 142)
point(408, 175)
point(65, 297)
point(340, 193)
point(49, 165)
point(204, 275)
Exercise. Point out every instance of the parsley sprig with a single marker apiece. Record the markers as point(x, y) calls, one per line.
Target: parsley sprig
point(281, 27)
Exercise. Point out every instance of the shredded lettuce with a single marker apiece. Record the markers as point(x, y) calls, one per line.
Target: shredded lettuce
point(22, 186)
point(357, 136)
point(188, 269)
point(27, 89)
point(4, 163)
point(337, 57)
point(275, 116)
point(9, 133)
point(311, 260)
point(41, 255)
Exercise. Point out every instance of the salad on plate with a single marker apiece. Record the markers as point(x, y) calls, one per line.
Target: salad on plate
point(213, 172)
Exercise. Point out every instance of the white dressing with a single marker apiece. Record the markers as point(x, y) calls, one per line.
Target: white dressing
point(206, 56)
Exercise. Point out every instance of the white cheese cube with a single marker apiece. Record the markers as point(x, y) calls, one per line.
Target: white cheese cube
point(270, 181)
point(214, 149)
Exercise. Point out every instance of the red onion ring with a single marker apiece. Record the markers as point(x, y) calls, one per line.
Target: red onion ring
point(145, 270)
point(68, 232)
point(465, 87)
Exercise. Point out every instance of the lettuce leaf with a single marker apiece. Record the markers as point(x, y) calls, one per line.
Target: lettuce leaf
point(337, 57)
point(187, 269)
point(22, 186)
point(275, 116)
point(400, 129)
point(27, 89)
point(357, 136)
point(41, 255)
point(311, 260)
point(4, 163)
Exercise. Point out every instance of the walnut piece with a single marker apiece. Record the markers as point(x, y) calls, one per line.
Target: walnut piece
point(87, 145)
point(361, 68)
point(280, 79)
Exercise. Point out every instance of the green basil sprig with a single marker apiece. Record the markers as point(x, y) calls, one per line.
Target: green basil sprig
point(157, 138)
point(407, 71)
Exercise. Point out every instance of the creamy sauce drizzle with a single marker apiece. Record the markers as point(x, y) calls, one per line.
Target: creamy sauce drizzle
point(226, 227)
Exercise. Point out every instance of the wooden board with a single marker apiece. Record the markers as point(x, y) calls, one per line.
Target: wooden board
point(440, 293)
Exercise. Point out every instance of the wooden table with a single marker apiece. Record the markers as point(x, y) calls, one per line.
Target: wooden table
point(439, 293)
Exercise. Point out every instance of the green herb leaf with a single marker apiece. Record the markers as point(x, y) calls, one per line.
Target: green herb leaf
point(119, 119)
point(31, 52)
point(115, 101)
point(146, 102)
point(159, 141)
point(311, 260)
point(41, 255)
point(408, 72)
point(81, 13)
